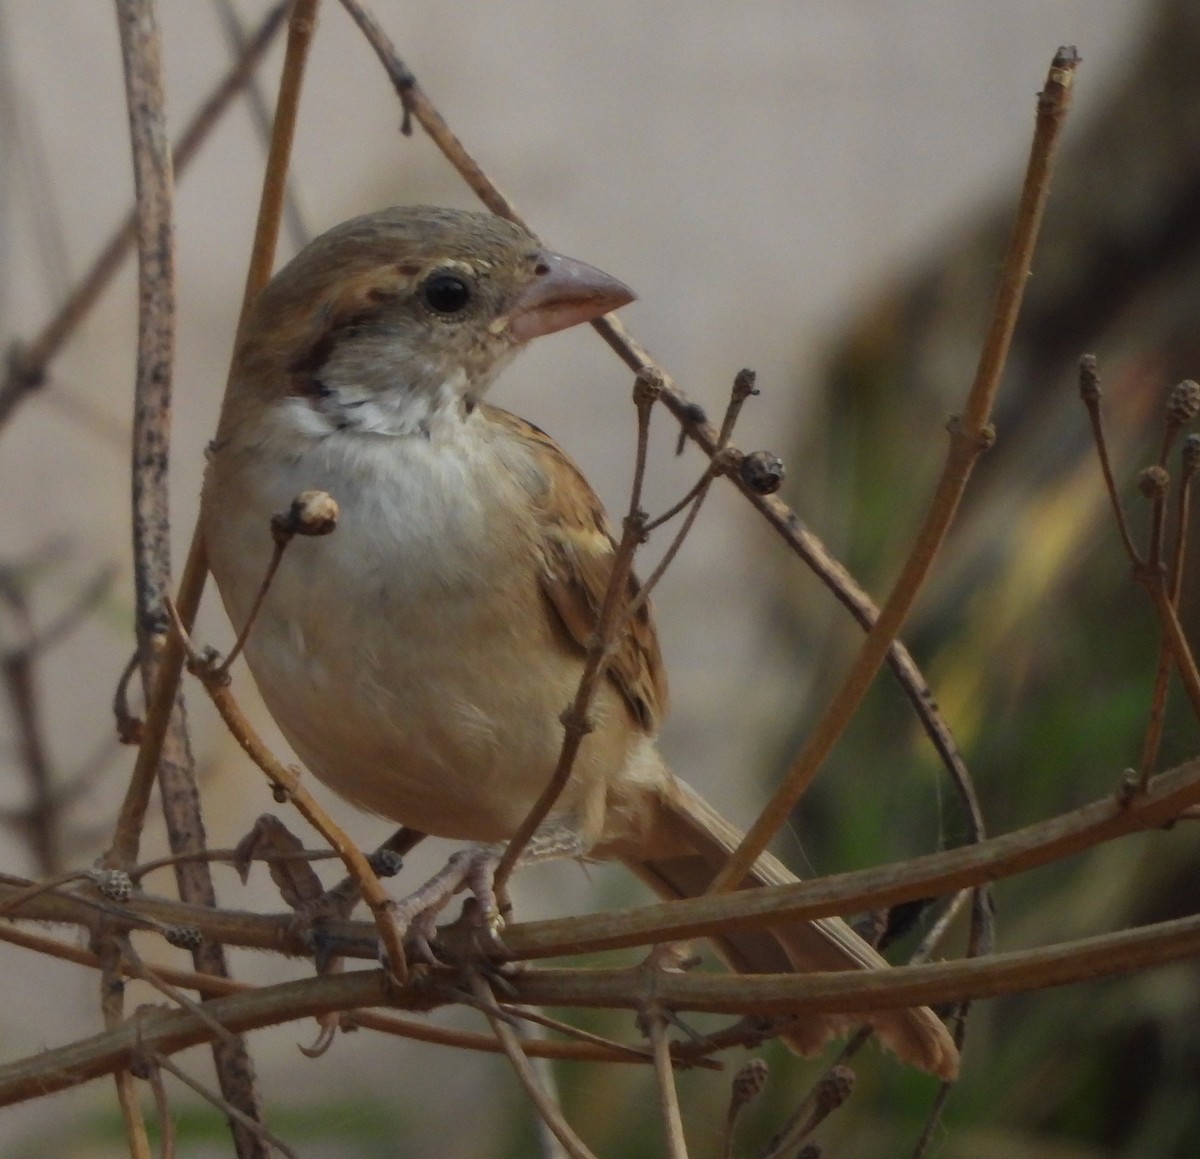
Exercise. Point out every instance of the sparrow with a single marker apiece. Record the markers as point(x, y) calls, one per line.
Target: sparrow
point(419, 659)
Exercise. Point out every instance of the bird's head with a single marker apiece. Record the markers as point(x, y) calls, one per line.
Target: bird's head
point(391, 318)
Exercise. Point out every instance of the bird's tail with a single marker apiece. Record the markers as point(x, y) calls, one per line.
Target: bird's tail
point(686, 823)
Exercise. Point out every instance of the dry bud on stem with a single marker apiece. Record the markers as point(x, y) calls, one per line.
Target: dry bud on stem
point(647, 386)
point(1153, 483)
point(1089, 379)
point(114, 884)
point(743, 385)
point(763, 472)
point(1191, 454)
point(748, 1084)
point(311, 513)
point(1183, 404)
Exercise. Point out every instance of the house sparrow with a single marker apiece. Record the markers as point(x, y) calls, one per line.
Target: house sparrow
point(419, 659)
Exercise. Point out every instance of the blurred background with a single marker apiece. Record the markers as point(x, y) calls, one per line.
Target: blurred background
point(821, 191)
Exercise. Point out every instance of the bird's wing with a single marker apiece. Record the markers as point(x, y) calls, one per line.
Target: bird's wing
point(578, 552)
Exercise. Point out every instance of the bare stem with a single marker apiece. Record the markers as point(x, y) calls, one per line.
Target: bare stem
point(551, 1115)
point(1089, 391)
point(222, 1105)
point(575, 719)
point(831, 1091)
point(588, 1048)
point(288, 785)
point(1158, 698)
point(970, 434)
point(28, 363)
point(112, 1005)
point(191, 586)
point(693, 424)
point(664, 1072)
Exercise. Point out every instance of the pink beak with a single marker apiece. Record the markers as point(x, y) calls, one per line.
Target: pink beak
point(565, 293)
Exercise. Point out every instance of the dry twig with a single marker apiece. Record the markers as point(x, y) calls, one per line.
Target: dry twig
point(514, 1048)
point(970, 435)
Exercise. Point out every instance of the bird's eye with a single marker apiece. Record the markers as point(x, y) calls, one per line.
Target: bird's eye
point(447, 293)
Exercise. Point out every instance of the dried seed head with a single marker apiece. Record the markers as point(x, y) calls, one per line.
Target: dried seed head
point(114, 884)
point(1153, 482)
point(743, 384)
point(647, 385)
point(1191, 454)
point(1089, 379)
point(763, 472)
point(386, 862)
point(748, 1083)
point(1183, 403)
point(184, 937)
point(836, 1086)
point(311, 513)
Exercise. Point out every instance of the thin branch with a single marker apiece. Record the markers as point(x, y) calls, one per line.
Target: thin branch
point(28, 363)
point(149, 1071)
point(575, 719)
point(831, 1091)
point(312, 513)
point(847, 992)
point(417, 106)
point(222, 1105)
point(191, 585)
point(287, 782)
point(1189, 462)
point(551, 1115)
point(141, 50)
point(1175, 639)
point(858, 991)
point(970, 434)
point(721, 463)
point(1043, 843)
point(1167, 798)
point(655, 1026)
point(588, 1048)
point(133, 965)
point(931, 941)
point(173, 760)
point(690, 416)
point(1090, 393)
point(526, 1014)
point(112, 1006)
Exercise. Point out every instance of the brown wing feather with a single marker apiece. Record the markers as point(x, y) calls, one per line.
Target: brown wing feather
point(578, 551)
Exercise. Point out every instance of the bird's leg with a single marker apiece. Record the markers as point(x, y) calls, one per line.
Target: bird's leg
point(472, 869)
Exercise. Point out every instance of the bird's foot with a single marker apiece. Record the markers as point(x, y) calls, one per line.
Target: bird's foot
point(479, 926)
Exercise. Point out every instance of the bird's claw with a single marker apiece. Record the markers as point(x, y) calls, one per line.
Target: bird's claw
point(472, 870)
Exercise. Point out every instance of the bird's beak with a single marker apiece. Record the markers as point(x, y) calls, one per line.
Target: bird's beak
point(564, 293)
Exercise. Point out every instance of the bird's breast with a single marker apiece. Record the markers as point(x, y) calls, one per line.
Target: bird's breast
point(407, 657)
